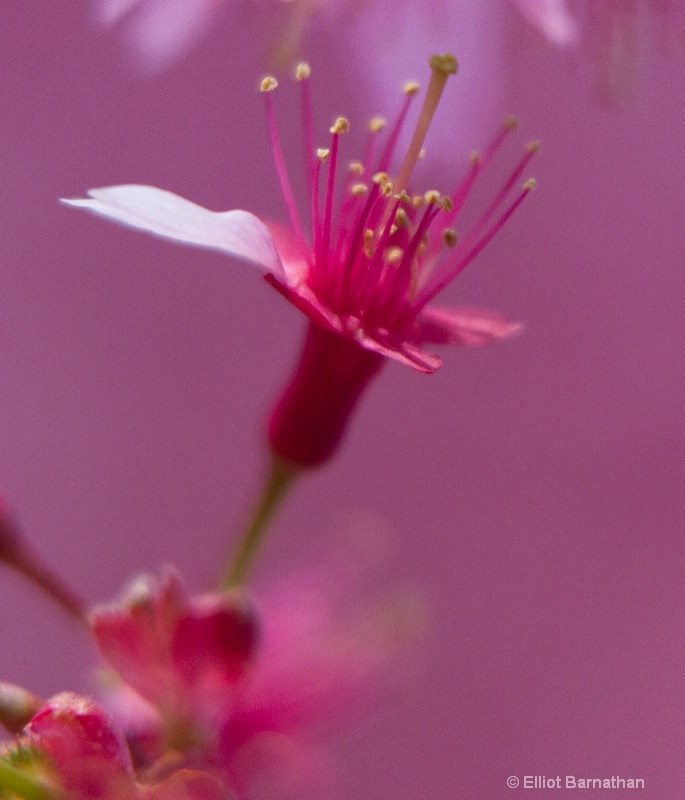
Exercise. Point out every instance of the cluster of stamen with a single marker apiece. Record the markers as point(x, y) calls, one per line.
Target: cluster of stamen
point(373, 263)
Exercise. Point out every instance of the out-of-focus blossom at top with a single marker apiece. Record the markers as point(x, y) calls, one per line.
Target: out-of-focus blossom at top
point(365, 274)
point(553, 18)
point(159, 33)
point(614, 32)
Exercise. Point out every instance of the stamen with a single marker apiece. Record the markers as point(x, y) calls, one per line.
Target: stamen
point(393, 255)
point(341, 125)
point(302, 73)
point(387, 154)
point(322, 153)
point(357, 168)
point(531, 150)
point(431, 291)
point(410, 88)
point(402, 218)
point(267, 86)
point(359, 189)
point(377, 124)
point(449, 237)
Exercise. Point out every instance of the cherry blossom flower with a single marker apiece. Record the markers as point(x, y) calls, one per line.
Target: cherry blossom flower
point(366, 276)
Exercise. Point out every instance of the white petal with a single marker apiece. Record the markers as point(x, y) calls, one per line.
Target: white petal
point(146, 208)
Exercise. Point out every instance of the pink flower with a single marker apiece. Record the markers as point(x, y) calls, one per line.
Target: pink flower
point(186, 656)
point(366, 275)
point(70, 748)
point(318, 659)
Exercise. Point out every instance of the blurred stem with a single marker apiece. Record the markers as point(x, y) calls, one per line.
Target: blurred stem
point(16, 552)
point(279, 479)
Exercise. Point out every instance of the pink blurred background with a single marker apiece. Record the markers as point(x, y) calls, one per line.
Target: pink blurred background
point(533, 490)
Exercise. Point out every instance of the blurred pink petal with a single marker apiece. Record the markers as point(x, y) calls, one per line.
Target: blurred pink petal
point(463, 326)
point(612, 32)
point(146, 208)
point(553, 19)
point(159, 32)
point(185, 656)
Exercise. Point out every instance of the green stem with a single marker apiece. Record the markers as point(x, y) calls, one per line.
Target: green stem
point(281, 476)
point(21, 784)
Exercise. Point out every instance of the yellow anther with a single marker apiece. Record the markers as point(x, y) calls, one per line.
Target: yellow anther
point(380, 178)
point(432, 197)
point(341, 125)
point(449, 237)
point(446, 64)
point(447, 204)
point(377, 124)
point(302, 71)
point(322, 153)
point(358, 189)
point(356, 168)
point(410, 88)
point(474, 158)
point(402, 218)
point(393, 255)
point(422, 153)
point(511, 122)
point(268, 84)
point(533, 147)
point(368, 243)
point(403, 197)
point(386, 189)
point(530, 184)
point(417, 201)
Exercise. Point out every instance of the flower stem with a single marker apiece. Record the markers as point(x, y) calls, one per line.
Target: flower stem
point(280, 477)
point(18, 554)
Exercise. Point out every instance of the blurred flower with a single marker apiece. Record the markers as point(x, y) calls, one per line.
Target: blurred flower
point(367, 274)
point(611, 31)
point(160, 32)
point(71, 749)
point(198, 689)
point(553, 18)
point(186, 656)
